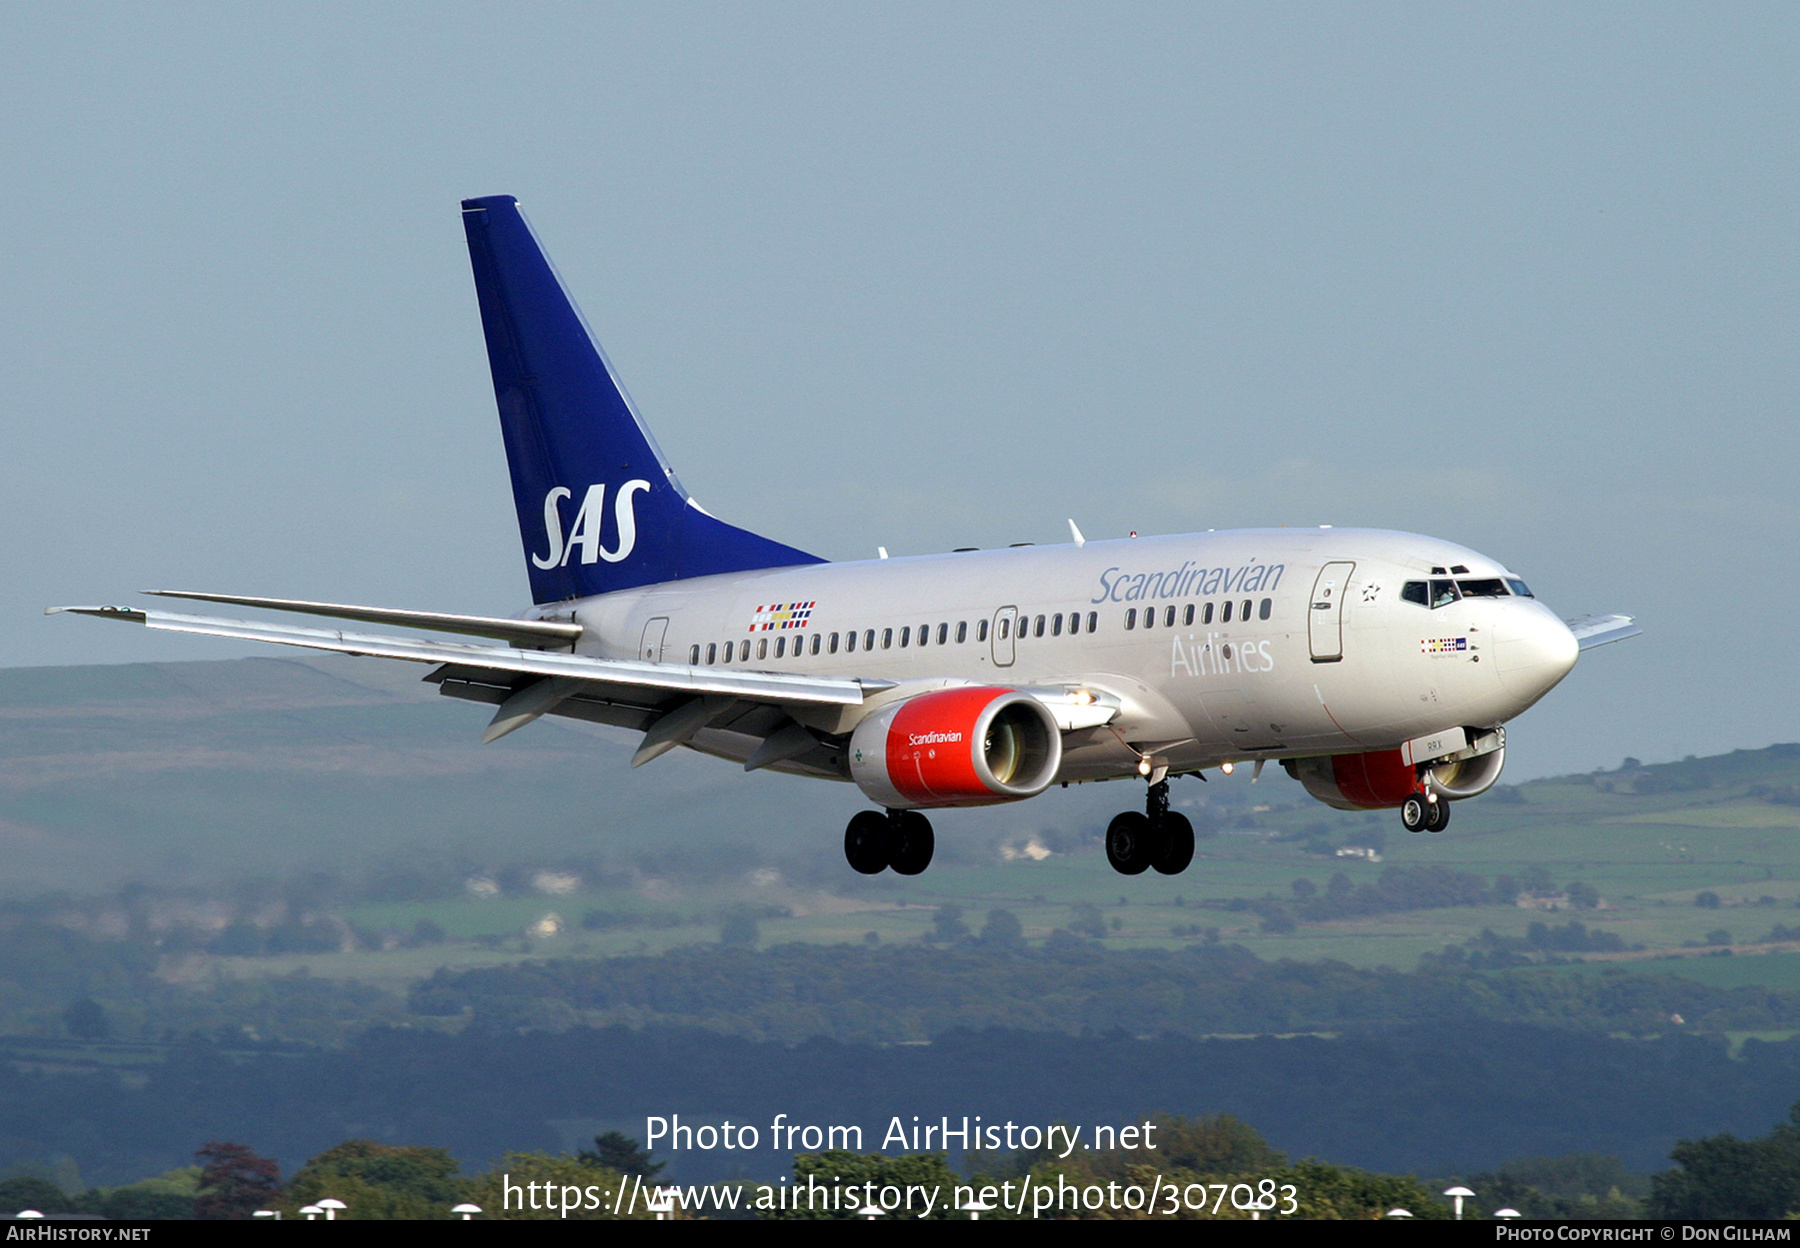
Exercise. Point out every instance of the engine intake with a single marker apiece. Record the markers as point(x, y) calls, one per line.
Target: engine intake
point(1468, 777)
point(969, 746)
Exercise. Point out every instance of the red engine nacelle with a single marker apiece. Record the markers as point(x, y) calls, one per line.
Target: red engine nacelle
point(969, 746)
point(1384, 778)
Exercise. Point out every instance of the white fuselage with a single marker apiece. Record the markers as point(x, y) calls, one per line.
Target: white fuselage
point(1331, 658)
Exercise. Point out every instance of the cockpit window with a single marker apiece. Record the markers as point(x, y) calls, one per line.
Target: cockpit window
point(1416, 591)
point(1482, 589)
point(1443, 593)
point(1518, 587)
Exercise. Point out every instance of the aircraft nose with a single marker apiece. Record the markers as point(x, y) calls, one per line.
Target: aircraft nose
point(1535, 651)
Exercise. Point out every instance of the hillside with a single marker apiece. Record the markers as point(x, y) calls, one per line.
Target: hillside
point(206, 777)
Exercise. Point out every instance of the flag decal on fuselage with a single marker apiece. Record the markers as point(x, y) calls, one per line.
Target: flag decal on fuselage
point(782, 615)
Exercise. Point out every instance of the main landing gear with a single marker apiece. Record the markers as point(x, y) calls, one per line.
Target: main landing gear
point(877, 840)
point(1425, 812)
point(1160, 837)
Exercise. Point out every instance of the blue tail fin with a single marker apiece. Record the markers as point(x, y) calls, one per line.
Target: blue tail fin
point(599, 507)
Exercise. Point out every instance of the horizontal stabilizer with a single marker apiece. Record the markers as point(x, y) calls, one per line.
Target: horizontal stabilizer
point(530, 632)
point(630, 673)
point(1599, 630)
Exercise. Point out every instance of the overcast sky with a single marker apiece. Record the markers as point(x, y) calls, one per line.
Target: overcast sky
point(923, 276)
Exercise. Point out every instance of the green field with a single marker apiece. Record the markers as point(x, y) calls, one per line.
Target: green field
point(222, 782)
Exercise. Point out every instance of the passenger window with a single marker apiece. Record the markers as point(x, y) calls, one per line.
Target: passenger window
point(962, 631)
point(850, 642)
point(1225, 615)
point(1131, 618)
point(1093, 620)
point(762, 649)
point(694, 655)
point(981, 630)
point(1443, 593)
point(725, 651)
point(924, 634)
point(1187, 616)
point(817, 639)
point(943, 633)
point(744, 651)
point(1149, 617)
point(1416, 591)
point(834, 643)
point(712, 652)
point(780, 647)
point(1206, 615)
point(906, 636)
point(887, 639)
point(1263, 611)
point(1244, 611)
point(1056, 625)
point(1074, 622)
point(1169, 618)
point(868, 639)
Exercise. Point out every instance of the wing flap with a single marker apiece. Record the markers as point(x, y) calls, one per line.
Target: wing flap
point(754, 686)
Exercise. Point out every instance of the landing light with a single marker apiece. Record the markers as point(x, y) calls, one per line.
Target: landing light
point(1227, 767)
point(1143, 766)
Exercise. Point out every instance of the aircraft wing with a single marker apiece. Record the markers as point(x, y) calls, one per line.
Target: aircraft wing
point(1598, 630)
point(652, 678)
point(525, 632)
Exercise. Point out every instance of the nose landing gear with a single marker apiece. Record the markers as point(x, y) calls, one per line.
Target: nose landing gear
point(901, 839)
point(1160, 837)
point(1425, 812)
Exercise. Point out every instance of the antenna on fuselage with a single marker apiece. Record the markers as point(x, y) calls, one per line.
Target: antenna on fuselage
point(1076, 534)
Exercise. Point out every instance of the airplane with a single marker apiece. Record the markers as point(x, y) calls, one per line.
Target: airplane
point(1378, 668)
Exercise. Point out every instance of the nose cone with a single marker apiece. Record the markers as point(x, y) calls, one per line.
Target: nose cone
point(1535, 651)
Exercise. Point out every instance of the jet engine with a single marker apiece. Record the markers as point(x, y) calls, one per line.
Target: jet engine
point(1356, 781)
point(967, 746)
point(1383, 778)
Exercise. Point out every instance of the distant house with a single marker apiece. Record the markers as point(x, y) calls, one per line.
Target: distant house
point(1542, 901)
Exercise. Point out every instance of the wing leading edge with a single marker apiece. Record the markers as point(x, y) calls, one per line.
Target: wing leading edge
point(524, 632)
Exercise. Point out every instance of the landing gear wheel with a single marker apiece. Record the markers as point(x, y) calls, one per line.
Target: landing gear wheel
point(1438, 815)
point(910, 842)
point(1413, 813)
point(866, 842)
point(1129, 843)
point(1177, 836)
